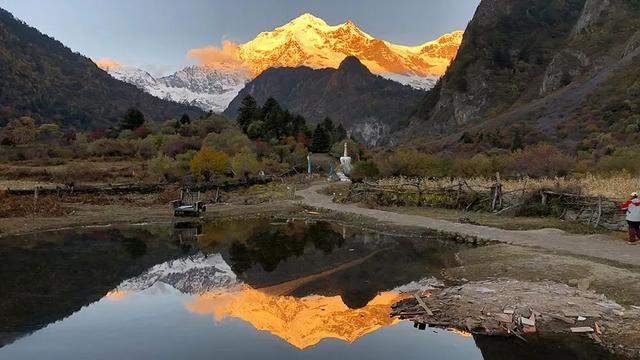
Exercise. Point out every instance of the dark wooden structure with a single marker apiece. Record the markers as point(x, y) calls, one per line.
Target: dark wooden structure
point(189, 204)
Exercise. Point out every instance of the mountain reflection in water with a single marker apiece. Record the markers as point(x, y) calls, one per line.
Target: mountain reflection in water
point(230, 289)
point(302, 322)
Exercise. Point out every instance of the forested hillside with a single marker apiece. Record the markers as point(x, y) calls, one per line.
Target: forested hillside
point(560, 72)
point(43, 79)
point(367, 105)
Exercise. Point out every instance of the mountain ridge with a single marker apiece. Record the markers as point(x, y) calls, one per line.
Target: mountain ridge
point(42, 78)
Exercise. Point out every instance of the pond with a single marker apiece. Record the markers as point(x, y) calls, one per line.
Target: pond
point(232, 290)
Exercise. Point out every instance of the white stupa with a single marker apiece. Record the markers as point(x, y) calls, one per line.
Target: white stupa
point(345, 161)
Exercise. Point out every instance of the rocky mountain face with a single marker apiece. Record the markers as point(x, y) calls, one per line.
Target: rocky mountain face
point(367, 105)
point(204, 87)
point(310, 41)
point(555, 71)
point(41, 78)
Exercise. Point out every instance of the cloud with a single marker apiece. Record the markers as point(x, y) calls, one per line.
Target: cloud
point(227, 56)
point(105, 64)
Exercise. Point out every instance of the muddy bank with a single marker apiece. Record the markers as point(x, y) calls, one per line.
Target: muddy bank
point(507, 307)
point(81, 215)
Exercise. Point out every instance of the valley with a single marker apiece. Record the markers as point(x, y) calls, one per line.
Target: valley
point(305, 190)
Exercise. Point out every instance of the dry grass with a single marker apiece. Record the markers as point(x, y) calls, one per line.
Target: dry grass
point(21, 206)
point(78, 171)
point(615, 187)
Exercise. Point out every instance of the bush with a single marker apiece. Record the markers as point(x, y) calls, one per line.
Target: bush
point(245, 164)
point(163, 168)
point(480, 165)
point(111, 147)
point(410, 162)
point(622, 159)
point(174, 146)
point(364, 170)
point(230, 141)
point(542, 160)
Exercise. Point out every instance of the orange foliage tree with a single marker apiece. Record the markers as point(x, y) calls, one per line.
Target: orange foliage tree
point(207, 163)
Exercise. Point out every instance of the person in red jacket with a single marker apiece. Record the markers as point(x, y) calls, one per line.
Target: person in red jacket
point(632, 206)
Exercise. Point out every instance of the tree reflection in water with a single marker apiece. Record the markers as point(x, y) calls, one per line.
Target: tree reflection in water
point(270, 245)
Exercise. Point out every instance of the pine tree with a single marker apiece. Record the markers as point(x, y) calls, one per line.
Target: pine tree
point(273, 118)
point(320, 142)
point(327, 124)
point(133, 119)
point(339, 133)
point(298, 125)
point(248, 112)
point(185, 119)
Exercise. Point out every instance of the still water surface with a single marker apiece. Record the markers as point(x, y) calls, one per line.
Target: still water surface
point(233, 290)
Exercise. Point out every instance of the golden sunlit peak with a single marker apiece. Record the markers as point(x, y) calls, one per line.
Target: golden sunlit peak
point(308, 40)
point(302, 322)
point(308, 18)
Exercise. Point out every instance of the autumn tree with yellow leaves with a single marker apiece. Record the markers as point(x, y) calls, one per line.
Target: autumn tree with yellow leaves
point(208, 163)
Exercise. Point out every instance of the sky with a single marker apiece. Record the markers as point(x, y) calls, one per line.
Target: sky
point(156, 35)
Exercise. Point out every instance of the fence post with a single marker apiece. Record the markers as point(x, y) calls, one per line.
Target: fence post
point(597, 222)
point(35, 200)
point(497, 193)
point(419, 191)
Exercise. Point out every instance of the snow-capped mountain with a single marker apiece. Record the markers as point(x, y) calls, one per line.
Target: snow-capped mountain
point(306, 40)
point(201, 86)
point(310, 41)
point(195, 274)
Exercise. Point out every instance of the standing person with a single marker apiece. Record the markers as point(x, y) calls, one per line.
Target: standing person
point(632, 206)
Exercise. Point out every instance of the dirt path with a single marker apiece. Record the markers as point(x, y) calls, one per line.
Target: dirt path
point(594, 246)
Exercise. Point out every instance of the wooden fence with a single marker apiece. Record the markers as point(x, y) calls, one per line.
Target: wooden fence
point(596, 211)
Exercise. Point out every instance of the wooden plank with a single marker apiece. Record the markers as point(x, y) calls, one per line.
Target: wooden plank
point(583, 329)
point(423, 304)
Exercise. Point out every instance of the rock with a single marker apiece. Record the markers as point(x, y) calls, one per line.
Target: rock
point(563, 69)
point(590, 14)
point(609, 305)
point(618, 313)
point(570, 313)
point(484, 290)
point(581, 318)
point(632, 44)
point(472, 324)
point(528, 322)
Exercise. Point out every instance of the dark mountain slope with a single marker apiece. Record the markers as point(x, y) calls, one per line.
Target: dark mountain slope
point(553, 71)
point(368, 105)
point(41, 78)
